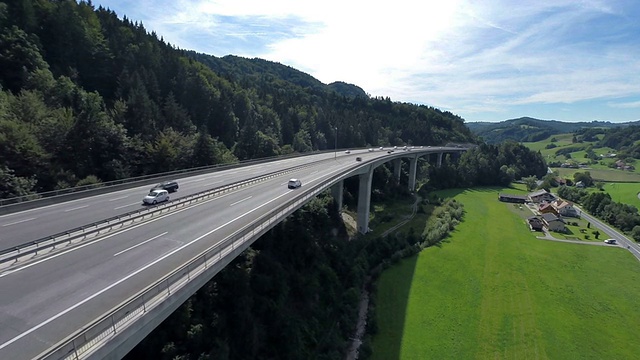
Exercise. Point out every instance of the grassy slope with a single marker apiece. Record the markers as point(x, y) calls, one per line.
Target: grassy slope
point(494, 291)
point(626, 193)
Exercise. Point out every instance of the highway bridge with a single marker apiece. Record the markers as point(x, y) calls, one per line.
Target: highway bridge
point(96, 292)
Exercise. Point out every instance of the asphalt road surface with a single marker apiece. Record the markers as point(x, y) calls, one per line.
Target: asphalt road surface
point(44, 300)
point(19, 228)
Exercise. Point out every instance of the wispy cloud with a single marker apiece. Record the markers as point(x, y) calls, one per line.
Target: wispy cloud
point(477, 59)
point(626, 105)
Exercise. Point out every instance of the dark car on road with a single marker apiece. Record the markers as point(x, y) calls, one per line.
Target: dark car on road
point(170, 186)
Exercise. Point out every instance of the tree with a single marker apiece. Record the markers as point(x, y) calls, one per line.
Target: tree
point(635, 233)
point(14, 186)
point(585, 177)
point(205, 151)
point(19, 56)
point(531, 182)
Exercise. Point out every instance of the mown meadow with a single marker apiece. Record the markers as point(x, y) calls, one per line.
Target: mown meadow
point(492, 290)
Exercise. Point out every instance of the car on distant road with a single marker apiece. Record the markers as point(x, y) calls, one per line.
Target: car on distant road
point(381, 148)
point(610, 241)
point(156, 196)
point(358, 158)
point(389, 151)
point(294, 183)
point(347, 152)
point(370, 149)
point(170, 186)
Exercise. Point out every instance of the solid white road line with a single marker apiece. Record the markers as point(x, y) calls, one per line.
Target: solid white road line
point(77, 208)
point(118, 198)
point(82, 302)
point(239, 201)
point(142, 243)
point(18, 222)
point(124, 206)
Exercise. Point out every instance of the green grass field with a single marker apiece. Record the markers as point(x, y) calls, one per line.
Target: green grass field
point(606, 175)
point(600, 169)
point(626, 193)
point(493, 291)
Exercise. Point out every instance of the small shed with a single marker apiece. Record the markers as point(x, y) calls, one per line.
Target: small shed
point(518, 199)
point(535, 224)
point(553, 222)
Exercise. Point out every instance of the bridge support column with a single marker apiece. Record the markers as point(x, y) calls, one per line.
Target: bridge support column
point(364, 201)
point(397, 166)
point(413, 167)
point(440, 159)
point(337, 191)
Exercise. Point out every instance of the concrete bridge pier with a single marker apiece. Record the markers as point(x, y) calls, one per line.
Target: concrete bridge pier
point(440, 159)
point(337, 191)
point(413, 167)
point(364, 200)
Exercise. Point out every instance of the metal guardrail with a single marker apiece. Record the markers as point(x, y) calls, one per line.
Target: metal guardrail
point(157, 176)
point(82, 342)
point(81, 233)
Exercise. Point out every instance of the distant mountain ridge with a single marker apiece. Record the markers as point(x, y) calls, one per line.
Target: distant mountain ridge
point(527, 129)
point(237, 67)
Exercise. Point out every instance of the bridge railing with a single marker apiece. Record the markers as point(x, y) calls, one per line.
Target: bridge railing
point(84, 341)
point(88, 231)
point(25, 202)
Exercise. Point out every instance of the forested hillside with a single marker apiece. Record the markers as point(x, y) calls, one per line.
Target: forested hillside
point(528, 129)
point(88, 96)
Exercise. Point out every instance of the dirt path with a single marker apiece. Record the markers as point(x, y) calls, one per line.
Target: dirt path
point(360, 328)
point(414, 209)
point(356, 341)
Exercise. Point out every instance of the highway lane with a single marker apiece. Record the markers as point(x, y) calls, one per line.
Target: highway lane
point(49, 299)
point(19, 228)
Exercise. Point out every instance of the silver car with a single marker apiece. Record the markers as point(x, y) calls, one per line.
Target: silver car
point(156, 196)
point(294, 183)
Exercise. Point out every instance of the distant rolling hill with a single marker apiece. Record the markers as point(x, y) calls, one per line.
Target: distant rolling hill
point(526, 129)
point(256, 70)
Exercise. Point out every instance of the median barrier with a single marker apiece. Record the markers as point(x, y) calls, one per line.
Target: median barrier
point(87, 342)
point(82, 233)
point(12, 205)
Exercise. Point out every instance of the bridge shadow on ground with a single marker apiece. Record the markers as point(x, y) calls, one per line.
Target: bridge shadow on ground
point(392, 300)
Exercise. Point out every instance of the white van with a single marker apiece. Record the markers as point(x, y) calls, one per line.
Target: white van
point(156, 196)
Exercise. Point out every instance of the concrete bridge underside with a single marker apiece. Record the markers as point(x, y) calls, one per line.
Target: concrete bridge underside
point(365, 174)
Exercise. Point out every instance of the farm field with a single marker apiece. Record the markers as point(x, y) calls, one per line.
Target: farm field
point(493, 290)
point(577, 153)
point(606, 175)
point(626, 193)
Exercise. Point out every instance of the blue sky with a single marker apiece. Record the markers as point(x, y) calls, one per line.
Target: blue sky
point(487, 60)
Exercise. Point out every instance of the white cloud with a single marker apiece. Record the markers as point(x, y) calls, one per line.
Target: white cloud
point(625, 105)
point(465, 56)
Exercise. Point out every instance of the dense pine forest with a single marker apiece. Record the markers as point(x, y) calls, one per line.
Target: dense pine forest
point(88, 95)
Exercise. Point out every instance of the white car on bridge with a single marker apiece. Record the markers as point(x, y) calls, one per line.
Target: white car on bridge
point(156, 196)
